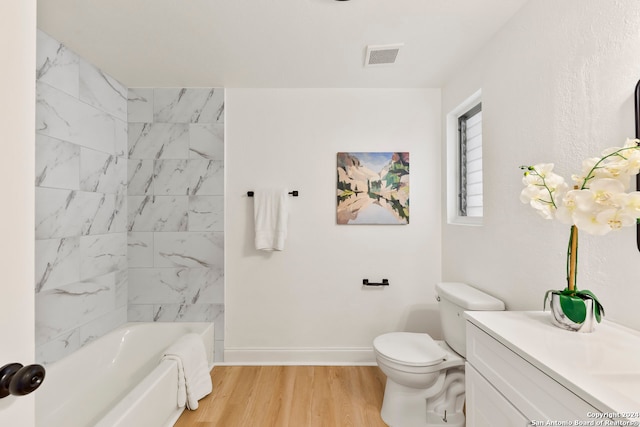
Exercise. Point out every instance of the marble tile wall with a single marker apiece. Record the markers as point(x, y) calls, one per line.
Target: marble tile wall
point(81, 204)
point(175, 223)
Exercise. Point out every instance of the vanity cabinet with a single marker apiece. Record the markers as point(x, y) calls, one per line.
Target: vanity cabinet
point(501, 383)
point(486, 407)
point(523, 371)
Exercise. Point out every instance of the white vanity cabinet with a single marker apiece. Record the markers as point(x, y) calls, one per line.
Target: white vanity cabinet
point(486, 407)
point(522, 371)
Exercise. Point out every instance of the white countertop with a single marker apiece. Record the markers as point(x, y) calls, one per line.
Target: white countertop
point(602, 367)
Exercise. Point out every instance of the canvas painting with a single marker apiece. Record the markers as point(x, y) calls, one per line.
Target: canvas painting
point(373, 188)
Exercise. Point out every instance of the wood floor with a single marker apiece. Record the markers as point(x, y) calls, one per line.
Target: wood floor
point(291, 396)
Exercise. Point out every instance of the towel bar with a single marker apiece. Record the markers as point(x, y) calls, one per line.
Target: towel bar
point(293, 193)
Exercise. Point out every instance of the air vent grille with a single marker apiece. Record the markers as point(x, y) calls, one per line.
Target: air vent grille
point(382, 54)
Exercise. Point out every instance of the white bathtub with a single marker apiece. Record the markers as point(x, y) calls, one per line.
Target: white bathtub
point(118, 380)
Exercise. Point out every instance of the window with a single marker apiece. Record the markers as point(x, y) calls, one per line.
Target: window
point(464, 162)
point(470, 166)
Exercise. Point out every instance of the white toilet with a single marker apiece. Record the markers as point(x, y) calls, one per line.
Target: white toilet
point(425, 378)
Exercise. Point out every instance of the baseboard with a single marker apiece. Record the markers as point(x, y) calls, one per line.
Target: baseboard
point(350, 356)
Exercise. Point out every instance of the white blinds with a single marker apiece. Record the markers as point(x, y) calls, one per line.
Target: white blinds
point(473, 168)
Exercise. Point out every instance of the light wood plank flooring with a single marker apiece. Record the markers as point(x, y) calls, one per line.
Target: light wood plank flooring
point(291, 396)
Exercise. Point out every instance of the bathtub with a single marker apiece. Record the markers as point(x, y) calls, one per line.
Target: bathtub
point(118, 380)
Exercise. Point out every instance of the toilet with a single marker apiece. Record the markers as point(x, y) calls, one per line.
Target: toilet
point(425, 377)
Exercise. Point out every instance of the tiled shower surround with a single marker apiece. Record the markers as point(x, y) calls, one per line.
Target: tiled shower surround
point(80, 198)
point(176, 205)
point(129, 216)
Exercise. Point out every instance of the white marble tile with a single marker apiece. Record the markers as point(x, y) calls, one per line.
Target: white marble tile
point(102, 325)
point(140, 313)
point(188, 177)
point(140, 177)
point(121, 138)
point(140, 249)
point(119, 224)
point(102, 173)
point(188, 249)
point(158, 141)
point(64, 117)
point(57, 163)
point(176, 286)
point(56, 113)
point(140, 105)
point(218, 320)
point(185, 105)
point(206, 285)
point(58, 347)
point(57, 262)
point(158, 285)
point(97, 212)
point(158, 213)
point(206, 213)
point(206, 141)
point(52, 217)
point(102, 91)
point(64, 308)
point(218, 355)
point(187, 313)
point(122, 288)
point(61, 213)
point(56, 65)
point(102, 254)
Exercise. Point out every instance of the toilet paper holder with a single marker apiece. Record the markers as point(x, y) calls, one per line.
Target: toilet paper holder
point(366, 282)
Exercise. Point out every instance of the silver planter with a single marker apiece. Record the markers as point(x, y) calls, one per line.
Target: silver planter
point(562, 321)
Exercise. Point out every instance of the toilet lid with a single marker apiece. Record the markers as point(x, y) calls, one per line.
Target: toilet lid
point(409, 348)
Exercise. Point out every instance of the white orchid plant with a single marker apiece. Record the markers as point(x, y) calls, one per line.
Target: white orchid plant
point(599, 202)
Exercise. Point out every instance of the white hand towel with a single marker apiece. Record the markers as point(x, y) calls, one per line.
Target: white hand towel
point(270, 211)
point(194, 380)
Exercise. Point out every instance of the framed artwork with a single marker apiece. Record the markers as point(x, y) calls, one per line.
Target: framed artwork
point(373, 188)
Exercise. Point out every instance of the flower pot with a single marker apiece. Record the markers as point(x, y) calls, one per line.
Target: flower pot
point(561, 320)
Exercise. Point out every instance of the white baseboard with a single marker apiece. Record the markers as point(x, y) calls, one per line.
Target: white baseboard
point(351, 356)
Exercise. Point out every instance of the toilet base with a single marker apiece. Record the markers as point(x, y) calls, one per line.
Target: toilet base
point(453, 420)
point(404, 406)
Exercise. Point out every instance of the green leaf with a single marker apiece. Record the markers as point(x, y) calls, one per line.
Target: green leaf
point(574, 307)
point(598, 309)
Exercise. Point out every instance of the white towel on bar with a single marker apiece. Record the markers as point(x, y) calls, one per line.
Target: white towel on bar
point(270, 211)
point(194, 380)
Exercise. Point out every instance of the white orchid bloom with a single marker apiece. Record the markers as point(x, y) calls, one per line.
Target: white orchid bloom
point(581, 200)
point(630, 203)
point(542, 189)
point(605, 189)
point(600, 202)
point(588, 166)
point(540, 173)
point(615, 219)
point(588, 222)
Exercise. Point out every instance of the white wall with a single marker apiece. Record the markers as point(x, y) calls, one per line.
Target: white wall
point(17, 115)
point(557, 85)
point(307, 303)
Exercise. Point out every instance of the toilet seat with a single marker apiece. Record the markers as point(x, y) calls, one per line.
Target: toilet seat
point(409, 349)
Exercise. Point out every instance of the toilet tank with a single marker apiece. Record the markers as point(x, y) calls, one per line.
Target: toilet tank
point(454, 299)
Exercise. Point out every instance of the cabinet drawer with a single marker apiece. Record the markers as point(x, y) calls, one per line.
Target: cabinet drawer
point(488, 408)
point(538, 396)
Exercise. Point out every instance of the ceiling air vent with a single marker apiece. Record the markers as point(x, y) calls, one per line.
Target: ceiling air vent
point(382, 54)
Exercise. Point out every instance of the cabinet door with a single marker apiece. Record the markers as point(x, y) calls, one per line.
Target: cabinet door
point(486, 407)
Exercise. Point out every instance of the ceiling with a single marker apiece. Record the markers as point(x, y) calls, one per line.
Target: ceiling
point(274, 43)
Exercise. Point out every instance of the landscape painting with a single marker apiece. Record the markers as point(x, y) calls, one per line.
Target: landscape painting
point(373, 188)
